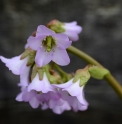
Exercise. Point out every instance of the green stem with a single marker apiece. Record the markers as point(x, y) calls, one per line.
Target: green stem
point(64, 75)
point(109, 78)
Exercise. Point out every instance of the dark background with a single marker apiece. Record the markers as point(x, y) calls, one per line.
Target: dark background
point(101, 38)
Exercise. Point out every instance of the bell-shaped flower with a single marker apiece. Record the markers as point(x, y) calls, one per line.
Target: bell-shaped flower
point(20, 64)
point(56, 103)
point(72, 101)
point(58, 109)
point(76, 105)
point(15, 64)
point(49, 46)
point(31, 97)
point(40, 85)
point(71, 29)
point(74, 89)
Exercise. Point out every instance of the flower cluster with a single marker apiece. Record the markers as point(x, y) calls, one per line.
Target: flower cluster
point(40, 83)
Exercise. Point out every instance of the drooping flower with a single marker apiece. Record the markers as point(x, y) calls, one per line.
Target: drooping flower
point(31, 97)
point(57, 103)
point(14, 64)
point(21, 62)
point(72, 101)
point(51, 100)
point(74, 89)
point(40, 85)
point(70, 29)
point(49, 46)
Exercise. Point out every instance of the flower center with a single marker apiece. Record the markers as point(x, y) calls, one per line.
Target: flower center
point(48, 43)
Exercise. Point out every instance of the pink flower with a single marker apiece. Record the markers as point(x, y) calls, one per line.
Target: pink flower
point(31, 97)
point(72, 30)
point(74, 90)
point(40, 85)
point(49, 46)
point(15, 64)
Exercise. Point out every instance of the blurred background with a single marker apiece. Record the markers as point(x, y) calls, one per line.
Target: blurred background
point(101, 38)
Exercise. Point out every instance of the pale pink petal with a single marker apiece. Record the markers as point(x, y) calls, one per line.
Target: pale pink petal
point(35, 42)
point(27, 95)
point(62, 40)
point(44, 106)
point(34, 102)
point(74, 28)
point(72, 35)
point(36, 84)
point(70, 23)
point(61, 108)
point(83, 107)
point(42, 30)
point(74, 89)
point(82, 99)
point(65, 85)
point(53, 103)
point(43, 57)
point(19, 97)
point(14, 64)
point(24, 76)
point(60, 57)
point(47, 86)
point(40, 85)
point(54, 95)
point(57, 110)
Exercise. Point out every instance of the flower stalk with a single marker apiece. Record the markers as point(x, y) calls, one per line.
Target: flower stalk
point(109, 78)
point(65, 76)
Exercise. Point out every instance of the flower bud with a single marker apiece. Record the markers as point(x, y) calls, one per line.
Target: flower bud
point(98, 72)
point(56, 26)
point(70, 29)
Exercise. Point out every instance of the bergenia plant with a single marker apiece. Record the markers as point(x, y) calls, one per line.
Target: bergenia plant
point(43, 82)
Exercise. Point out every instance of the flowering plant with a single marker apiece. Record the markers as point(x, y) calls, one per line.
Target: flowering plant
point(42, 82)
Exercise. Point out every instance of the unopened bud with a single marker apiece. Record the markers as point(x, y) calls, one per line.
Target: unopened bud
point(98, 72)
point(56, 26)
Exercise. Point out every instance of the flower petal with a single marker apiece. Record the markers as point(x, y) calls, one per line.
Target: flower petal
point(65, 85)
point(74, 89)
point(62, 40)
point(70, 23)
point(27, 95)
point(42, 57)
point(60, 57)
point(14, 64)
point(35, 42)
point(19, 97)
point(74, 28)
point(58, 109)
point(47, 86)
point(42, 30)
point(40, 85)
point(24, 76)
point(36, 84)
point(72, 35)
point(44, 106)
point(34, 102)
point(81, 99)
